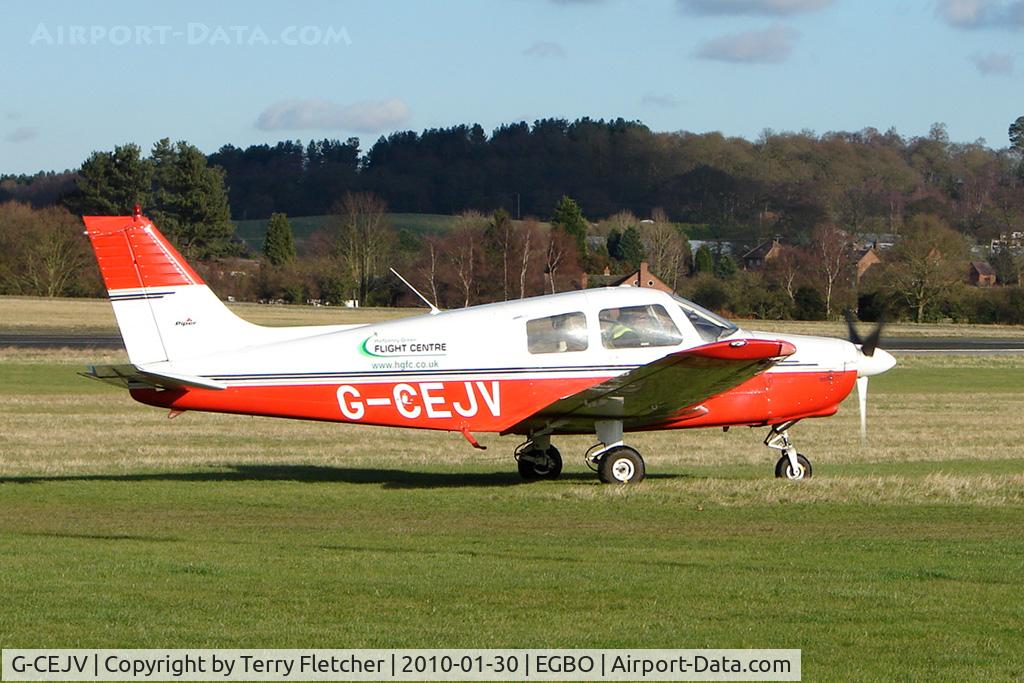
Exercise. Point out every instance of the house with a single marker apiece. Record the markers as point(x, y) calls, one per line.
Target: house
point(864, 259)
point(642, 277)
point(757, 257)
point(981, 274)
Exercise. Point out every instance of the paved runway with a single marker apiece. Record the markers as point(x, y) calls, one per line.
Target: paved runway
point(895, 344)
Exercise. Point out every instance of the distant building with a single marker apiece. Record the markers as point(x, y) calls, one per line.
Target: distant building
point(863, 260)
point(981, 274)
point(756, 258)
point(1010, 241)
point(642, 277)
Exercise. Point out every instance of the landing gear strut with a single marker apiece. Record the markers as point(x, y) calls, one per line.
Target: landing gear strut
point(791, 465)
point(538, 459)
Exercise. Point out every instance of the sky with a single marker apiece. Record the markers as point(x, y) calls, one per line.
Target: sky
point(86, 76)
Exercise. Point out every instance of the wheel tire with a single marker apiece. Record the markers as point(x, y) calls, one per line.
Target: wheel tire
point(621, 465)
point(783, 470)
point(539, 464)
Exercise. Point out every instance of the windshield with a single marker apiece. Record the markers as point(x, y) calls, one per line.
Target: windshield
point(710, 327)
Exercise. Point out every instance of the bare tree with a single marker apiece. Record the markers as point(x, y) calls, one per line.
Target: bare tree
point(364, 237)
point(786, 269)
point(43, 249)
point(666, 247)
point(830, 258)
point(464, 252)
point(429, 264)
point(926, 264)
point(526, 238)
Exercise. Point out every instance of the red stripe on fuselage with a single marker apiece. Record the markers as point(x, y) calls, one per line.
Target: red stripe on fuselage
point(495, 405)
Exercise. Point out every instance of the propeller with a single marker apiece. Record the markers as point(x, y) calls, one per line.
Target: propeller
point(871, 361)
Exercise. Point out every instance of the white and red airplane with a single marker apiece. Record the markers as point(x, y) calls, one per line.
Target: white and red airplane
point(598, 361)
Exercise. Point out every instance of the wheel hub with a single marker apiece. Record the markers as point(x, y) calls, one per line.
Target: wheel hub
point(623, 469)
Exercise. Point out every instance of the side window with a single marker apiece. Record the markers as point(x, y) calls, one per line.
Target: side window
point(557, 333)
point(632, 327)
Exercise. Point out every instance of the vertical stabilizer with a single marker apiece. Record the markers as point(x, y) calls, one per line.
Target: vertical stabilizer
point(164, 309)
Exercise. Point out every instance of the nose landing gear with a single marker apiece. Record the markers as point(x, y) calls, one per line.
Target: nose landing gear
point(791, 465)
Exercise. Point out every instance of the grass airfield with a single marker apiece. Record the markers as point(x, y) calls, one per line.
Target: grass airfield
point(901, 560)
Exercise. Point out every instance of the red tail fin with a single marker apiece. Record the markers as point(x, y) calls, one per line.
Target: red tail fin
point(133, 254)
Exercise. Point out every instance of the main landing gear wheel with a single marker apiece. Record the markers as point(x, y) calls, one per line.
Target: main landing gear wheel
point(783, 469)
point(621, 465)
point(540, 464)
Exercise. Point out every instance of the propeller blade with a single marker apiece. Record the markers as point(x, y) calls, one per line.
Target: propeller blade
point(871, 343)
point(850, 325)
point(862, 400)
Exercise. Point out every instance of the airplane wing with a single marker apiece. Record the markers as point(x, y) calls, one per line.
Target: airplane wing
point(666, 388)
point(132, 377)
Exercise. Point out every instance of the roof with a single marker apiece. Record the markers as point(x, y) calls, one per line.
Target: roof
point(761, 250)
point(983, 268)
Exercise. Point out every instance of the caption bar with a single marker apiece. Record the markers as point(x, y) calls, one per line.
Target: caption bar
point(401, 665)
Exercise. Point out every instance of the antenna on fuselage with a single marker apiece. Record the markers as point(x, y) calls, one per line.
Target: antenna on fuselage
point(434, 310)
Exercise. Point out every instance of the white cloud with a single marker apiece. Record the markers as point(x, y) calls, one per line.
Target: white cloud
point(360, 117)
point(994, 64)
point(1008, 14)
point(659, 100)
point(22, 134)
point(769, 8)
point(545, 50)
point(772, 45)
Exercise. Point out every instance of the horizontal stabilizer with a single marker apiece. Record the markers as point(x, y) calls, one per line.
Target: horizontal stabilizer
point(132, 377)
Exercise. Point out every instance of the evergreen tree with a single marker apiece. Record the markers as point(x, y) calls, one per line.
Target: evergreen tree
point(725, 266)
point(703, 260)
point(614, 243)
point(631, 247)
point(112, 183)
point(189, 200)
point(279, 245)
point(569, 219)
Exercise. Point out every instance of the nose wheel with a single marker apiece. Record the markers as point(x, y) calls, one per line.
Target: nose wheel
point(784, 468)
point(791, 465)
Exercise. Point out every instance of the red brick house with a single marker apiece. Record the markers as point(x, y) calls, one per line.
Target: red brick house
point(981, 274)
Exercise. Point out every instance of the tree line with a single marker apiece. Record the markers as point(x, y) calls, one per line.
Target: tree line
point(814, 192)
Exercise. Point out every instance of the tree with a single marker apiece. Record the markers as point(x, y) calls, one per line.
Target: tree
point(829, 254)
point(926, 265)
point(569, 219)
point(112, 183)
point(668, 249)
point(44, 252)
point(1017, 134)
point(464, 253)
point(631, 248)
point(498, 237)
point(189, 200)
point(363, 237)
point(703, 260)
point(279, 245)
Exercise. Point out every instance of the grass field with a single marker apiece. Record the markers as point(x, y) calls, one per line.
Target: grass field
point(903, 560)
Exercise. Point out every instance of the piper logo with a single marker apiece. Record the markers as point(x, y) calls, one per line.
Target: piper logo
point(184, 323)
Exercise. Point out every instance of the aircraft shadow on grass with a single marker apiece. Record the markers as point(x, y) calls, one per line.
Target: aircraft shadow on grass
point(313, 474)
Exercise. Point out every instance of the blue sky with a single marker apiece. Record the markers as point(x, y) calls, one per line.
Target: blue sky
point(82, 76)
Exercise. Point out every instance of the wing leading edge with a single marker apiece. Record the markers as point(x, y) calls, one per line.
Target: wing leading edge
point(666, 388)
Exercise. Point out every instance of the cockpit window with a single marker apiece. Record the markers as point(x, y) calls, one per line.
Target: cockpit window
point(709, 326)
point(632, 327)
point(557, 333)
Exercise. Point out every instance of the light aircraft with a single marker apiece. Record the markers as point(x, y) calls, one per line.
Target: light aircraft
point(597, 361)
